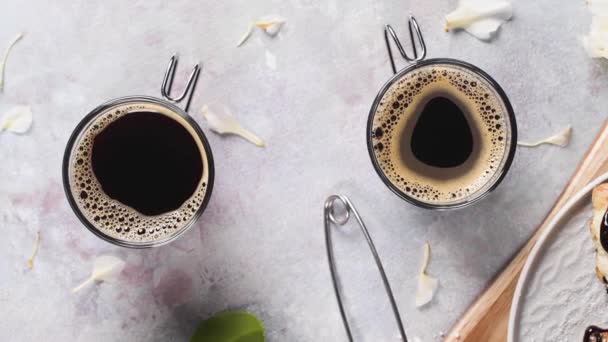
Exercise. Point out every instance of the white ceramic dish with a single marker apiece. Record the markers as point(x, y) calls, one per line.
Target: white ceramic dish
point(557, 294)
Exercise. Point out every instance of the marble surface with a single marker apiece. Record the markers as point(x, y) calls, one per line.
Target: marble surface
point(259, 246)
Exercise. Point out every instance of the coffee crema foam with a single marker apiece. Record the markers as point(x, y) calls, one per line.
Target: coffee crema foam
point(111, 217)
point(396, 116)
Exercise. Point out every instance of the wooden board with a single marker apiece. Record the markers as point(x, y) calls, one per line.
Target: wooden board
point(488, 317)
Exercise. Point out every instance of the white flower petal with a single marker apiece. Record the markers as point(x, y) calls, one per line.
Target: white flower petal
point(479, 18)
point(30, 261)
point(427, 285)
point(17, 120)
point(270, 24)
point(596, 42)
point(271, 60)
point(246, 35)
point(596, 45)
point(561, 139)
point(274, 28)
point(598, 7)
point(225, 123)
point(104, 268)
point(5, 57)
point(484, 29)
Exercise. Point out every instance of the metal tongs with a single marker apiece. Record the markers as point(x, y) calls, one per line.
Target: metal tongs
point(331, 218)
point(348, 207)
point(165, 88)
point(412, 25)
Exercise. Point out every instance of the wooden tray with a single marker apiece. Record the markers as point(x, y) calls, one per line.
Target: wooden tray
point(488, 317)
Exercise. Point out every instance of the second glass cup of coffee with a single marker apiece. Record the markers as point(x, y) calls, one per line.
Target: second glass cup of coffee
point(441, 133)
point(138, 171)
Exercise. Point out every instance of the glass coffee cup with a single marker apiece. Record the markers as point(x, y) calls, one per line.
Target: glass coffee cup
point(138, 171)
point(441, 133)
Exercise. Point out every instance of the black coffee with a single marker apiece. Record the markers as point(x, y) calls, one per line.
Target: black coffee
point(139, 172)
point(147, 161)
point(442, 137)
point(439, 134)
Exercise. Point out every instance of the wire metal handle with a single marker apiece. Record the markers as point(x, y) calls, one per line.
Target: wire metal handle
point(330, 218)
point(165, 88)
point(413, 27)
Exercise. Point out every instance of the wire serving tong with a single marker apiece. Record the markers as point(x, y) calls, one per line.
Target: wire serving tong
point(413, 27)
point(331, 218)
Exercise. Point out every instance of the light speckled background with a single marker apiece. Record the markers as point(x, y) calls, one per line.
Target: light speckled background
point(259, 246)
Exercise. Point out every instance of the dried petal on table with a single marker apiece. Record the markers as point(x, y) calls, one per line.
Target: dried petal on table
point(246, 35)
point(271, 24)
point(5, 57)
point(271, 60)
point(221, 121)
point(427, 285)
point(596, 42)
point(30, 261)
point(16, 120)
point(480, 18)
point(105, 267)
point(597, 6)
point(561, 139)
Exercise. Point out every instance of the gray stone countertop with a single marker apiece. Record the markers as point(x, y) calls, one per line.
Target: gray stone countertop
point(259, 246)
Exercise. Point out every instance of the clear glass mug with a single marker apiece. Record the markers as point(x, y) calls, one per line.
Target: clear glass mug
point(417, 63)
point(166, 104)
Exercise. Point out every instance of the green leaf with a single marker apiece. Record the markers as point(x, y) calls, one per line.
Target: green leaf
point(230, 327)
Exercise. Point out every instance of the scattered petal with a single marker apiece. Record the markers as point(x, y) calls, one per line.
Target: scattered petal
point(481, 18)
point(596, 42)
point(104, 268)
point(597, 7)
point(271, 60)
point(561, 139)
point(427, 285)
point(246, 35)
point(226, 124)
point(17, 120)
point(270, 24)
point(30, 261)
point(5, 57)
